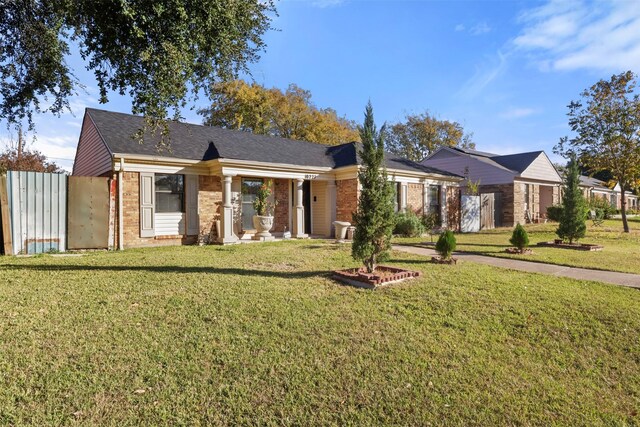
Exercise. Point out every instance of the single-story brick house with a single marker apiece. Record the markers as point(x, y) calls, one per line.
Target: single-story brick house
point(595, 188)
point(203, 185)
point(523, 185)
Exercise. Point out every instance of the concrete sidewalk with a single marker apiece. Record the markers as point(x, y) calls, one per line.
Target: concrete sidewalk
point(615, 278)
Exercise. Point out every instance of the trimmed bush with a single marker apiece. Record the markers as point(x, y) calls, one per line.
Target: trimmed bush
point(519, 238)
point(408, 224)
point(554, 213)
point(602, 207)
point(446, 244)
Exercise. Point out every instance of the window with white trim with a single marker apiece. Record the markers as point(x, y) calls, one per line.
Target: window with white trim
point(169, 193)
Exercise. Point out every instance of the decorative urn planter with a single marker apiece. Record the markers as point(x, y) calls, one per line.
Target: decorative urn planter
point(262, 224)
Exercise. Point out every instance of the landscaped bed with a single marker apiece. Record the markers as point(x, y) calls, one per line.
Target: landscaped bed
point(383, 275)
point(621, 253)
point(575, 246)
point(261, 334)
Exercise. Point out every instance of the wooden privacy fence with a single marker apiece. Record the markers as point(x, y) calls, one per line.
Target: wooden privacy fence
point(48, 212)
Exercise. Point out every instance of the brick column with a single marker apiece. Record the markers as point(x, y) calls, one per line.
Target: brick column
point(298, 215)
point(226, 219)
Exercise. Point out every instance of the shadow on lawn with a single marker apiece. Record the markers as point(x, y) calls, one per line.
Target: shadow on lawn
point(173, 269)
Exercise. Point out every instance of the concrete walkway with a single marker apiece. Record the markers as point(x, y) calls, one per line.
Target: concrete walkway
point(621, 279)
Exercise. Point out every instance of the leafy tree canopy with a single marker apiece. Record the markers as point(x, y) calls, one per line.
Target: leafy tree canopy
point(422, 134)
point(606, 122)
point(289, 114)
point(161, 54)
point(17, 158)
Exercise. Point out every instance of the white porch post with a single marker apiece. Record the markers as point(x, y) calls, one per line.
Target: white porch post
point(298, 217)
point(403, 197)
point(443, 205)
point(331, 191)
point(226, 219)
point(425, 201)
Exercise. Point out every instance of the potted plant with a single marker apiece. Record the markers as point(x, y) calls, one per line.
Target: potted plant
point(264, 208)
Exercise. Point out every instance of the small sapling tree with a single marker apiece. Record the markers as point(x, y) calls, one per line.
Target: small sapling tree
point(519, 238)
point(573, 216)
point(374, 217)
point(446, 244)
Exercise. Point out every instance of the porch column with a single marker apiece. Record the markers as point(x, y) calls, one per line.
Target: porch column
point(403, 197)
point(425, 195)
point(298, 216)
point(443, 205)
point(226, 219)
point(331, 192)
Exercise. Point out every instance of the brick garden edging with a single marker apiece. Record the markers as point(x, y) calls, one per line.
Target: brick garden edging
point(575, 246)
point(383, 276)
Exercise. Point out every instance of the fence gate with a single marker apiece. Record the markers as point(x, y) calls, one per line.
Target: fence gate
point(487, 211)
point(88, 213)
point(470, 214)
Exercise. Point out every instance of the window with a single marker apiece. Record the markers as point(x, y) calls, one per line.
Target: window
point(169, 193)
point(433, 198)
point(250, 188)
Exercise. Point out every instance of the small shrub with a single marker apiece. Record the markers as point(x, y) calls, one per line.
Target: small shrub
point(408, 224)
point(602, 207)
point(446, 244)
point(519, 238)
point(554, 212)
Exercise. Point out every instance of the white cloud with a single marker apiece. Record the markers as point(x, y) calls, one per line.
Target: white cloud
point(459, 27)
point(484, 75)
point(570, 35)
point(518, 113)
point(479, 29)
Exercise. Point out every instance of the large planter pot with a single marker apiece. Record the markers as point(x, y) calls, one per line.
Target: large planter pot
point(262, 224)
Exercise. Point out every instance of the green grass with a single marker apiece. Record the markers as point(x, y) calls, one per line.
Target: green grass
point(258, 334)
point(621, 250)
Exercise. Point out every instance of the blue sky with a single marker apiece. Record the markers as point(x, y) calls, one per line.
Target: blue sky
point(506, 70)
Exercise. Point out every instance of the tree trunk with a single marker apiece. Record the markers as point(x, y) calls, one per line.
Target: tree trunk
point(623, 209)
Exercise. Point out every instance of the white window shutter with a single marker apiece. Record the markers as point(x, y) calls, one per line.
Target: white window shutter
point(147, 205)
point(191, 195)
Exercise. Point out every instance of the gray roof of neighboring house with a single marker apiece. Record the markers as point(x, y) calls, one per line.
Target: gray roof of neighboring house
point(199, 142)
point(518, 162)
point(588, 181)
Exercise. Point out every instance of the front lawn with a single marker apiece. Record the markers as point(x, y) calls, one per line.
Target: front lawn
point(621, 250)
point(258, 334)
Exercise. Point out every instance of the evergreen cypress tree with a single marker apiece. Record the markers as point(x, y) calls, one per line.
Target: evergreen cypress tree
point(573, 217)
point(374, 217)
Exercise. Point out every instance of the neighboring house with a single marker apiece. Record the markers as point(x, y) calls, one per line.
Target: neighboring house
point(522, 185)
point(205, 184)
point(595, 188)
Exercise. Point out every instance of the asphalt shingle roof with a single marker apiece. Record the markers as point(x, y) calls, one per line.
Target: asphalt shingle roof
point(199, 142)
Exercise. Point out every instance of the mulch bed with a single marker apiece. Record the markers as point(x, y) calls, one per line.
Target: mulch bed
point(574, 246)
point(517, 251)
point(384, 275)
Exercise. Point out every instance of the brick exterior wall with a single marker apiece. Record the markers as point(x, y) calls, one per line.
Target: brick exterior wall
point(281, 214)
point(131, 217)
point(209, 204)
point(415, 198)
point(347, 194)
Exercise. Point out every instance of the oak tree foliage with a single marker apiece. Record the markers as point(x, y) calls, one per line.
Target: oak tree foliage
point(161, 54)
point(288, 114)
point(419, 135)
point(606, 123)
